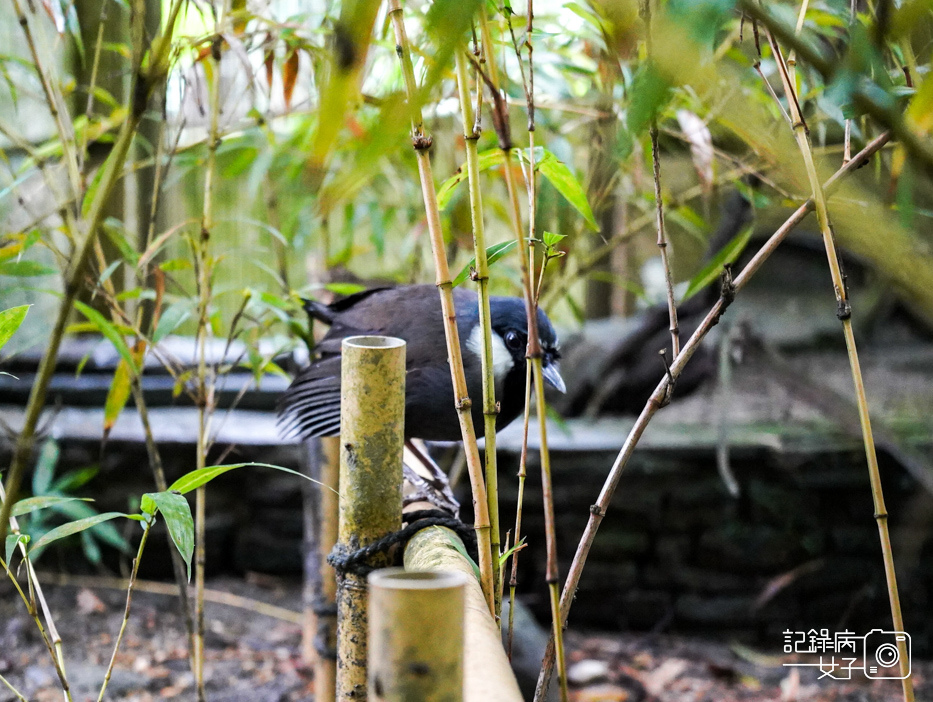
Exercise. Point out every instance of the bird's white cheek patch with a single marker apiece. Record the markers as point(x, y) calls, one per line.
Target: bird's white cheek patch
point(501, 358)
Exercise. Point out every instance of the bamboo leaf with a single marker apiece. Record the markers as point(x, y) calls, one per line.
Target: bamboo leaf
point(117, 396)
point(711, 270)
point(75, 527)
point(25, 269)
point(202, 476)
point(485, 160)
point(11, 542)
point(10, 321)
point(33, 504)
point(566, 183)
point(109, 331)
point(493, 254)
point(177, 514)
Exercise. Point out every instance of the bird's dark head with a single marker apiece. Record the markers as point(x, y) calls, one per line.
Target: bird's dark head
point(510, 341)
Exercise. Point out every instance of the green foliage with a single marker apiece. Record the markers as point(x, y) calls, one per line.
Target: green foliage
point(10, 321)
point(177, 515)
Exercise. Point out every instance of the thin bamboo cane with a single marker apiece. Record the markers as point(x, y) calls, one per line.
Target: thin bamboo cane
point(481, 275)
point(844, 312)
point(533, 352)
point(598, 510)
point(372, 415)
point(422, 143)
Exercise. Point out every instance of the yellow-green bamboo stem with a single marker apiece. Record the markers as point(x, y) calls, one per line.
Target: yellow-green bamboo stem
point(519, 503)
point(490, 410)
point(372, 416)
point(547, 494)
point(487, 675)
point(534, 355)
point(844, 312)
point(205, 380)
point(422, 143)
point(416, 635)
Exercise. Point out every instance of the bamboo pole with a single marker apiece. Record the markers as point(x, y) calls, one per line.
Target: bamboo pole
point(372, 415)
point(487, 675)
point(416, 635)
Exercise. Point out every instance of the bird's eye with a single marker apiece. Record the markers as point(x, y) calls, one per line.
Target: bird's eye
point(513, 341)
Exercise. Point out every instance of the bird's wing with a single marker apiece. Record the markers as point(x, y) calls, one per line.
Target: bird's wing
point(311, 405)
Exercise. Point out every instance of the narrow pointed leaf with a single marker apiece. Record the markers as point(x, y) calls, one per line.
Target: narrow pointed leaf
point(493, 254)
point(711, 271)
point(10, 321)
point(566, 183)
point(75, 527)
point(11, 541)
point(109, 331)
point(33, 504)
point(202, 476)
point(486, 160)
point(177, 515)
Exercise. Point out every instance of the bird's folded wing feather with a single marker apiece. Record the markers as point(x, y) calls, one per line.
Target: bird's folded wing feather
point(311, 406)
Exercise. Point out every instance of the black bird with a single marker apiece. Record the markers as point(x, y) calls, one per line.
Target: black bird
point(311, 405)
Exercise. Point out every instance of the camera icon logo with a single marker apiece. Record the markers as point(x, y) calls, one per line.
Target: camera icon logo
point(881, 654)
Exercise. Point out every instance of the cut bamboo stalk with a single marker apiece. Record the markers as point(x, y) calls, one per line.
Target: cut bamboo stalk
point(372, 415)
point(487, 675)
point(416, 635)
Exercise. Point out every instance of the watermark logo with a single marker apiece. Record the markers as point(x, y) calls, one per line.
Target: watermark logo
point(878, 654)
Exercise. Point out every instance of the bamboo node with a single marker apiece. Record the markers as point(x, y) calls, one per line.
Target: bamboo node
point(597, 511)
point(464, 403)
point(844, 310)
point(421, 142)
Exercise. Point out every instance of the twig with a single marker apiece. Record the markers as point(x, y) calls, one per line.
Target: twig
point(126, 610)
point(422, 143)
point(227, 599)
point(659, 201)
point(598, 510)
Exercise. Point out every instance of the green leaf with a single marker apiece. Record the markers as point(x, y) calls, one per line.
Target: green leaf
point(551, 239)
point(11, 542)
point(458, 546)
point(503, 557)
point(45, 467)
point(345, 288)
point(75, 527)
point(486, 160)
point(493, 254)
point(177, 515)
point(650, 93)
point(171, 319)
point(109, 331)
point(25, 269)
point(202, 476)
point(10, 321)
point(566, 183)
point(711, 270)
point(32, 504)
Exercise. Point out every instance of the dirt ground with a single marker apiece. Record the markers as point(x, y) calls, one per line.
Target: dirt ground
point(257, 658)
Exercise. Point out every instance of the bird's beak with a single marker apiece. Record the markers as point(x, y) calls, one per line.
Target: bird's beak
point(551, 373)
